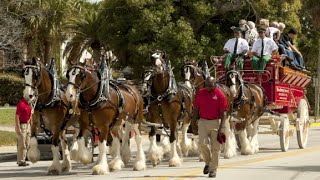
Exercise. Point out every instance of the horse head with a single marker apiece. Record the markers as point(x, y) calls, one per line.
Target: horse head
point(158, 58)
point(77, 81)
point(233, 82)
point(192, 74)
point(32, 76)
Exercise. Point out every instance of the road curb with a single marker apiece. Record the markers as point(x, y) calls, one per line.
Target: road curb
point(8, 157)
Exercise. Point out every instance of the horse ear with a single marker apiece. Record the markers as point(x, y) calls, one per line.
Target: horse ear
point(33, 61)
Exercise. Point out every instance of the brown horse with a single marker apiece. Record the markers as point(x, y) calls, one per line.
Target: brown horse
point(194, 77)
point(42, 86)
point(106, 105)
point(170, 105)
point(247, 111)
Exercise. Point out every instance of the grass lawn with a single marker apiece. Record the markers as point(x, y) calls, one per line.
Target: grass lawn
point(7, 117)
point(7, 138)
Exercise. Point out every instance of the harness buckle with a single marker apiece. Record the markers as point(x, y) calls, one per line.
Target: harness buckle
point(160, 98)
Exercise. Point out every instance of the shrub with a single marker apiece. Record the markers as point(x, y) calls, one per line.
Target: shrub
point(11, 87)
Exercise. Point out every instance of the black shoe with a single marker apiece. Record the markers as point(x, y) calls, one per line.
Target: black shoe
point(206, 169)
point(212, 174)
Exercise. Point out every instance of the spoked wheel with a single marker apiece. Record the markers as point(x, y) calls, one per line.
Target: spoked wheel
point(89, 142)
point(302, 123)
point(284, 134)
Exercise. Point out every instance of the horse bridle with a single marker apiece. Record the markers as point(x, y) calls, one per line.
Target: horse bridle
point(36, 75)
point(82, 74)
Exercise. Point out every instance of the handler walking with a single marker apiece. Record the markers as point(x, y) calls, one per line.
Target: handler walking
point(23, 121)
point(210, 106)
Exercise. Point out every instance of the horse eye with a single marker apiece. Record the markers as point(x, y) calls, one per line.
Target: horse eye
point(26, 72)
point(74, 72)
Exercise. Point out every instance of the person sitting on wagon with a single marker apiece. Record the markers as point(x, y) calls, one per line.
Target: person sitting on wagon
point(262, 50)
point(235, 48)
point(291, 50)
point(271, 32)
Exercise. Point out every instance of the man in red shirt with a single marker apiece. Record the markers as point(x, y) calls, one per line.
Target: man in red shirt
point(23, 123)
point(210, 108)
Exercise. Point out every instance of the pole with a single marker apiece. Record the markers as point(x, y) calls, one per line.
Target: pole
point(317, 85)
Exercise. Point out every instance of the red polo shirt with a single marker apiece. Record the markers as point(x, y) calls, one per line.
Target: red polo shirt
point(210, 104)
point(23, 111)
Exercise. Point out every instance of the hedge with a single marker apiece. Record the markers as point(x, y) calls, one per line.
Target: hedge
point(11, 87)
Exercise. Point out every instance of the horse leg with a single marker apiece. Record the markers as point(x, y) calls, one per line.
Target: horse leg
point(75, 146)
point(55, 168)
point(33, 152)
point(155, 153)
point(230, 145)
point(186, 143)
point(165, 143)
point(246, 148)
point(66, 163)
point(174, 157)
point(102, 167)
point(84, 154)
point(254, 135)
point(140, 163)
point(125, 148)
point(116, 164)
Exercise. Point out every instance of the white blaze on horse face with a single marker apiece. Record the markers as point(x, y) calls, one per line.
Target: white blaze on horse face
point(187, 76)
point(71, 91)
point(233, 87)
point(28, 92)
point(158, 61)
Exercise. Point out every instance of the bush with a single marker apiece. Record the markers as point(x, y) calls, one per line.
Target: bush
point(11, 89)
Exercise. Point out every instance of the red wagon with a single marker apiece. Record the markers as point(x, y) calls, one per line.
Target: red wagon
point(285, 89)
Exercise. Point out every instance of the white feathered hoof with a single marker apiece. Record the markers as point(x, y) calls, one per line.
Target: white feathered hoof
point(139, 165)
point(116, 164)
point(194, 151)
point(54, 169)
point(155, 156)
point(228, 154)
point(175, 162)
point(85, 156)
point(246, 151)
point(186, 147)
point(74, 151)
point(126, 156)
point(100, 169)
point(33, 151)
point(66, 166)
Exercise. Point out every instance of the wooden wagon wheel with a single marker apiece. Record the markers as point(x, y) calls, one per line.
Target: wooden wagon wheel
point(284, 134)
point(302, 123)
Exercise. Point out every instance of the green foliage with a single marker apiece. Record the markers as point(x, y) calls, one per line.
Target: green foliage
point(11, 89)
point(8, 138)
point(7, 117)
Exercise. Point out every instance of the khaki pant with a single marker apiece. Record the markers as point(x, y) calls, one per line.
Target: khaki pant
point(208, 131)
point(23, 142)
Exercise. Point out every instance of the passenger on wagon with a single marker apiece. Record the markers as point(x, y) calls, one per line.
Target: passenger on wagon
point(235, 48)
point(253, 36)
point(271, 32)
point(262, 50)
point(291, 50)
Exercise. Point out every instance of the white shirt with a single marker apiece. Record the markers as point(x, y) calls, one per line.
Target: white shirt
point(271, 31)
point(269, 46)
point(242, 45)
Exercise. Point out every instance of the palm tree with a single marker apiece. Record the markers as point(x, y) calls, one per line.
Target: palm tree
point(85, 34)
point(43, 21)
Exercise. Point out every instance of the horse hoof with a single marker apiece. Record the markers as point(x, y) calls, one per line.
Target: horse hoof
point(116, 165)
point(139, 165)
point(100, 170)
point(66, 168)
point(175, 162)
point(54, 172)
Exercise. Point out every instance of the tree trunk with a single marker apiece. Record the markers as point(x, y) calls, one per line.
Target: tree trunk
point(47, 52)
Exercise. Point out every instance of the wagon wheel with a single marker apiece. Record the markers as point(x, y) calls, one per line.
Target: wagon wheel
point(302, 123)
point(89, 142)
point(284, 134)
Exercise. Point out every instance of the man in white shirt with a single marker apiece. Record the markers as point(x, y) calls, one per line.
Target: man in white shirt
point(235, 49)
point(262, 50)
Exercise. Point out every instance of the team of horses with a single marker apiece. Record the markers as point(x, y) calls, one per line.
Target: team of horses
point(116, 108)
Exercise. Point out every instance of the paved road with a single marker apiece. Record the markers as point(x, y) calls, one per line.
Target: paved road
point(270, 163)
